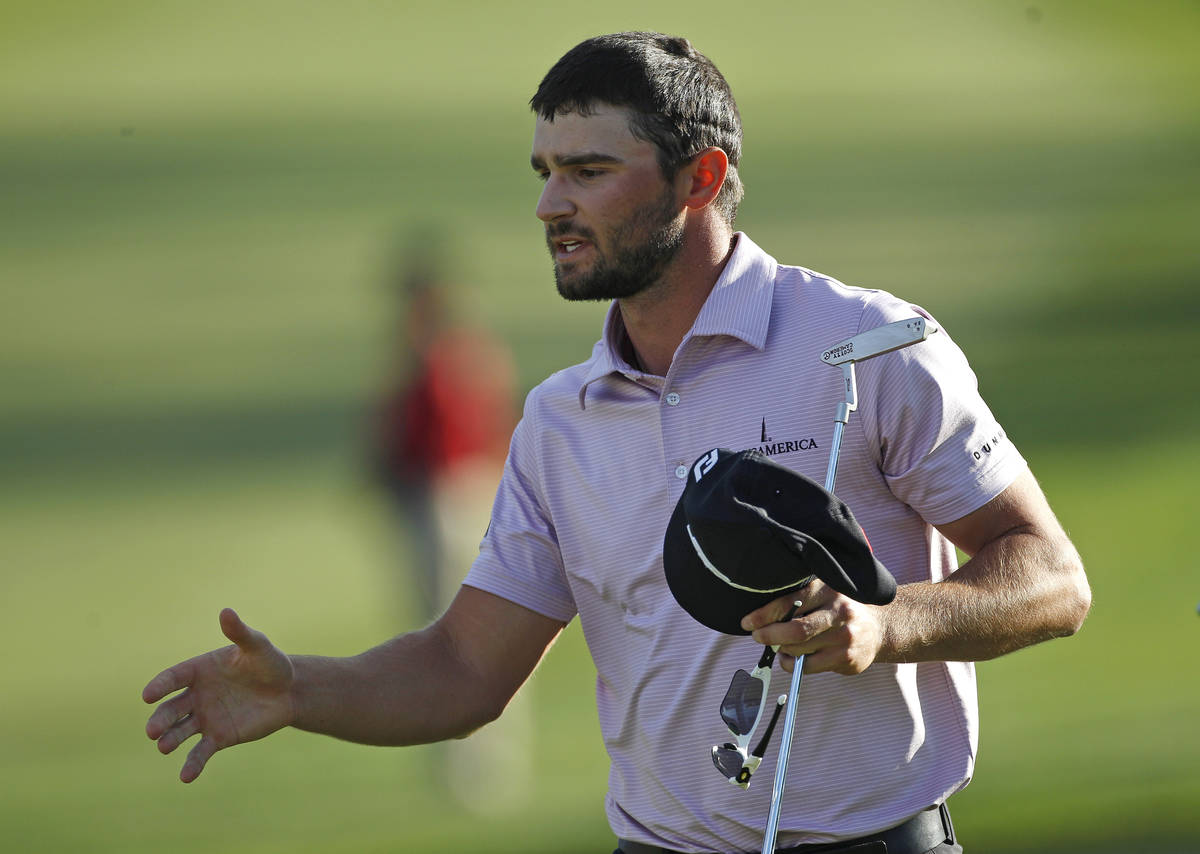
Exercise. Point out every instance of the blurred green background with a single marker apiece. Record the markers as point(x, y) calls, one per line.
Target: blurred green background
point(200, 206)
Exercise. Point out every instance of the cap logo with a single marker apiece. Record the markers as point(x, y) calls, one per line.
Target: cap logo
point(704, 465)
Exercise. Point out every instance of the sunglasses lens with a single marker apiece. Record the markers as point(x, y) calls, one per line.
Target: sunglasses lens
point(728, 761)
point(740, 707)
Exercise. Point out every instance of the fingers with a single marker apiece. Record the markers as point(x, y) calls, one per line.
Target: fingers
point(772, 612)
point(168, 714)
point(799, 631)
point(173, 723)
point(197, 759)
point(183, 674)
point(825, 660)
point(844, 637)
point(824, 655)
point(178, 734)
point(168, 682)
point(801, 600)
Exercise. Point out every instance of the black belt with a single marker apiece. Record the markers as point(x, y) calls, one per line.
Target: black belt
point(924, 831)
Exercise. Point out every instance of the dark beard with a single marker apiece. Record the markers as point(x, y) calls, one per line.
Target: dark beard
point(637, 264)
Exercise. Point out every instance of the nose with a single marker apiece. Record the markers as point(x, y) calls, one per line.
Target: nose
point(553, 203)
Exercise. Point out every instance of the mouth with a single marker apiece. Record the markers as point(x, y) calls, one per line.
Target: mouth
point(568, 248)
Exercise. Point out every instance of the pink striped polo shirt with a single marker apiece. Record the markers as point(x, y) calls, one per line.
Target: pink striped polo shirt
point(594, 470)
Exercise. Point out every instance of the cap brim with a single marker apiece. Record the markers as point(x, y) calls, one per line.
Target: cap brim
point(708, 599)
point(845, 562)
point(871, 582)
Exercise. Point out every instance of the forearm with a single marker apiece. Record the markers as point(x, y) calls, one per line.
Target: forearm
point(413, 689)
point(1018, 590)
point(442, 682)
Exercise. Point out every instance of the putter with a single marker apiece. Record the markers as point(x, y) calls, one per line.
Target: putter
point(865, 345)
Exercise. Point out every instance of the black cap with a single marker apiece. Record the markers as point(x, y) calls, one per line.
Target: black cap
point(748, 530)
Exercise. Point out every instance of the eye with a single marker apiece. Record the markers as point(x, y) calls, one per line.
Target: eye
point(589, 173)
point(542, 174)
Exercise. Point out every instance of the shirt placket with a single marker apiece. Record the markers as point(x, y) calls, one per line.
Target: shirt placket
point(674, 417)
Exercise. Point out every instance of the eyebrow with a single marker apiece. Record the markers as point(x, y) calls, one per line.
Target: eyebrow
point(583, 158)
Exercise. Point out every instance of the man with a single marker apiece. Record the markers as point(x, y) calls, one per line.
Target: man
point(709, 343)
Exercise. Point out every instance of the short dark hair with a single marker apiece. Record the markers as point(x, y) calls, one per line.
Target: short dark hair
point(679, 100)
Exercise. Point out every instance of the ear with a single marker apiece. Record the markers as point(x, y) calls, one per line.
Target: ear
point(706, 175)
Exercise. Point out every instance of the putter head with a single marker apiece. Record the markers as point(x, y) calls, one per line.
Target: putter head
point(880, 340)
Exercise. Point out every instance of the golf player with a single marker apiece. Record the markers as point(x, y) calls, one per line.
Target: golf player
point(709, 342)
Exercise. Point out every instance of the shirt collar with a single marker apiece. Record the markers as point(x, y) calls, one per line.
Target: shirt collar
point(739, 305)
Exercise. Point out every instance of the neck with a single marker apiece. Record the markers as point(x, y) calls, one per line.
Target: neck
point(657, 319)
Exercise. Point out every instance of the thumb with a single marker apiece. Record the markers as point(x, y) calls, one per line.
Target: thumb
point(233, 628)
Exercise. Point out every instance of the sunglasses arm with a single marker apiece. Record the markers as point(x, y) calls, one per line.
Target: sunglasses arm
point(760, 749)
point(742, 781)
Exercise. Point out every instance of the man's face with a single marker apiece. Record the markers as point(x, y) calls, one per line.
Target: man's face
point(613, 224)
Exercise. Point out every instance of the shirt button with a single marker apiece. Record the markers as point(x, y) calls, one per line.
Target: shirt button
point(672, 399)
point(681, 471)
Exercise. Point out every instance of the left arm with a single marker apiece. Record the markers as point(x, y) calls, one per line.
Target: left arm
point(1024, 583)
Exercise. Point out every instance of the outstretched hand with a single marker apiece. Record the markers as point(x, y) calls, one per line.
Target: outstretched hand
point(231, 695)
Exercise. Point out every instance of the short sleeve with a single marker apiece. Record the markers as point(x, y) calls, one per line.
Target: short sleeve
point(519, 558)
point(940, 448)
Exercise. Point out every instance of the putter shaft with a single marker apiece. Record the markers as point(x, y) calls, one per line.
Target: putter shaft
point(865, 345)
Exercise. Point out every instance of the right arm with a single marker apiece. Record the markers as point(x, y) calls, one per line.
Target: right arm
point(445, 681)
point(442, 682)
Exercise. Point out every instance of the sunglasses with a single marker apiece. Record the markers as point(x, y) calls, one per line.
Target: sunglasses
point(742, 709)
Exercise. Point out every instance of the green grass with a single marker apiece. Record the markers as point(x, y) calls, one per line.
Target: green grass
point(200, 212)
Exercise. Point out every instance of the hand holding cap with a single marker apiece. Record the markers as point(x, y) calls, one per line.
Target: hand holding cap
point(747, 530)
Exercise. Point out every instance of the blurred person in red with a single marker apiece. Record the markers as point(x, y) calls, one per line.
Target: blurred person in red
point(444, 423)
point(440, 440)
